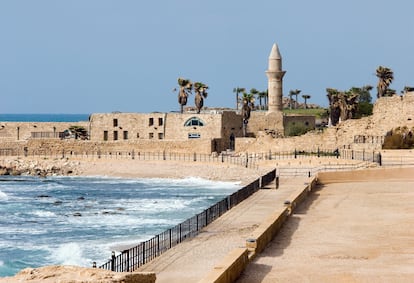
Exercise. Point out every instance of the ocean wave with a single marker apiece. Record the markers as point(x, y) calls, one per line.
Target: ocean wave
point(43, 213)
point(68, 254)
point(196, 182)
point(3, 196)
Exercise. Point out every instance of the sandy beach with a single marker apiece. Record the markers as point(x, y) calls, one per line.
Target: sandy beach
point(127, 168)
point(171, 169)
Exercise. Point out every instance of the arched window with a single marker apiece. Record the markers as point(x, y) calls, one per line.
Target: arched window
point(194, 121)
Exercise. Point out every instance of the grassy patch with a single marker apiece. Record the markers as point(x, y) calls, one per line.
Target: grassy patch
point(317, 112)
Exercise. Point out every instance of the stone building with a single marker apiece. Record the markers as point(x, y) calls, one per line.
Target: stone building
point(221, 128)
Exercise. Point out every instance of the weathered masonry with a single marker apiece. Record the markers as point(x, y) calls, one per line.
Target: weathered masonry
point(221, 127)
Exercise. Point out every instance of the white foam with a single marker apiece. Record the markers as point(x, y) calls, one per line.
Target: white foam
point(3, 196)
point(43, 213)
point(68, 254)
point(197, 182)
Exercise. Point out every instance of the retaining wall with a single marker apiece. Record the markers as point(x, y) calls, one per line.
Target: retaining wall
point(374, 174)
point(230, 268)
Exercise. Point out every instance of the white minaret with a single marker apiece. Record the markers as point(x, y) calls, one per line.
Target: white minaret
point(275, 80)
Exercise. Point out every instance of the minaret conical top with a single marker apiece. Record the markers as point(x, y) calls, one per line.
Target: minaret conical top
point(275, 53)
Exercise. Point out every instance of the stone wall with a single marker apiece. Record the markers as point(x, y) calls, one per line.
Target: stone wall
point(301, 121)
point(360, 134)
point(62, 148)
point(16, 131)
point(263, 121)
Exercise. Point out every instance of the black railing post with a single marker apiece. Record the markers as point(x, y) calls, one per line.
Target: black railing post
point(179, 239)
point(295, 153)
point(170, 238)
point(206, 217)
point(319, 153)
point(158, 244)
point(127, 260)
point(143, 253)
point(113, 261)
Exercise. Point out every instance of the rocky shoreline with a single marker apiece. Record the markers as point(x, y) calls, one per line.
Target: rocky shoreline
point(41, 168)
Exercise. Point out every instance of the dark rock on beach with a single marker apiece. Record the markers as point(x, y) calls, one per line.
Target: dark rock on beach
point(41, 168)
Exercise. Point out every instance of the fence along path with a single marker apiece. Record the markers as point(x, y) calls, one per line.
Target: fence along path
point(133, 258)
point(225, 157)
point(248, 160)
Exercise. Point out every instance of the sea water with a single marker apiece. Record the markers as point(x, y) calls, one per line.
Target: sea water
point(43, 117)
point(79, 220)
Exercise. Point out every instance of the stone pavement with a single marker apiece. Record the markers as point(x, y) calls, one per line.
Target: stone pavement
point(193, 259)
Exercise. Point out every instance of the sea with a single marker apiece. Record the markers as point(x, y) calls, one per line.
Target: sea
point(43, 117)
point(81, 220)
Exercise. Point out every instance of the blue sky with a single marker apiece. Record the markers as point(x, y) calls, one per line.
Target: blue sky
point(88, 56)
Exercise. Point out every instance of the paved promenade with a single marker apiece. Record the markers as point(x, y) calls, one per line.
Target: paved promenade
point(193, 259)
point(344, 232)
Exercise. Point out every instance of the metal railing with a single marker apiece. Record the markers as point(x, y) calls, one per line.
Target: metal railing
point(363, 155)
point(131, 259)
point(225, 157)
point(309, 171)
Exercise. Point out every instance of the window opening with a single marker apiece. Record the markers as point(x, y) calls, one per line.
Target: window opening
point(194, 121)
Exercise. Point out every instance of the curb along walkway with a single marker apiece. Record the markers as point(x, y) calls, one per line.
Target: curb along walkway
point(191, 260)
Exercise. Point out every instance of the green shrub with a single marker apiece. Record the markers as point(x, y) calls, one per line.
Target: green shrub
point(296, 130)
point(399, 138)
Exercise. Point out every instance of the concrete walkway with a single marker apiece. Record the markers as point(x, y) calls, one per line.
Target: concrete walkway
point(193, 259)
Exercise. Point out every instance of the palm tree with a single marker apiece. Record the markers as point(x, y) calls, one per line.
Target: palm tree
point(407, 89)
point(262, 95)
point(249, 97)
point(254, 92)
point(266, 99)
point(306, 97)
point(291, 93)
point(238, 90)
point(248, 104)
point(385, 76)
point(186, 87)
point(201, 93)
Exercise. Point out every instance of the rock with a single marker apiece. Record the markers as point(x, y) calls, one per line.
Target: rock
point(74, 274)
point(43, 196)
